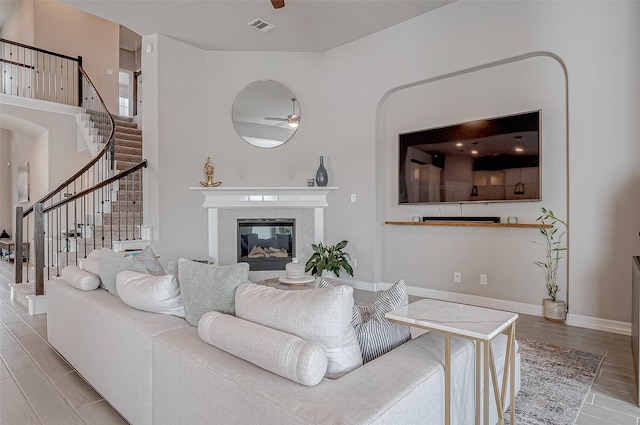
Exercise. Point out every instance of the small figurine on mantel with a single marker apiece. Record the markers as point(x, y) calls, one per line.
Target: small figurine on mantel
point(208, 172)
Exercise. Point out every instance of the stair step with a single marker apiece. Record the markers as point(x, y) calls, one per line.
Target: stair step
point(128, 130)
point(122, 118)
point(129, 143)
point(126, 164)
point(129, 149)
point(127, 158)
point(127, 136)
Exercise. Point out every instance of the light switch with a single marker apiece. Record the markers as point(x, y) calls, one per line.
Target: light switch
point(353, 197)
point(109, 71)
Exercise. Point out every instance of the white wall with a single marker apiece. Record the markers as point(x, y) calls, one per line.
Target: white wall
point(19, 23)
point(63, 29)
point(363, 81)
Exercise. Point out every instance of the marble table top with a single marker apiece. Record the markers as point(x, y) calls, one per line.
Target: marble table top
point(458, 319)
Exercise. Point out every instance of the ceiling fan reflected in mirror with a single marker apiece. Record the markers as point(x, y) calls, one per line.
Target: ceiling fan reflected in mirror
point(277, 4)
point(292, 120)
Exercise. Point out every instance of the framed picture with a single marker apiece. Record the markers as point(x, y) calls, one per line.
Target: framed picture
point(23, 182)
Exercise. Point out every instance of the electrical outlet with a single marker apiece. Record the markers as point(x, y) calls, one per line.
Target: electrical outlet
point(483, 279)
point(171, 265)
point(457, 277)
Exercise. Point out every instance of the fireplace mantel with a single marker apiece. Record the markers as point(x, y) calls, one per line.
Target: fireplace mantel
point(246, 197)
point(250, 198)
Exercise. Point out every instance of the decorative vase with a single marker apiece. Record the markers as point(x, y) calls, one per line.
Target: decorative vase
point(554, 311)
point(321, 175)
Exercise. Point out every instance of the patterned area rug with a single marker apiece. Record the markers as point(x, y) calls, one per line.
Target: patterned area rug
point(555, 382)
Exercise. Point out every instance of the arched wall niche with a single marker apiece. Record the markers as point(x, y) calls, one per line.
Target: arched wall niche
point(427, 257)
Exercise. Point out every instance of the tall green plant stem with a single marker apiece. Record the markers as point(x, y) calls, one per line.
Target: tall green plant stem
point(553, 244)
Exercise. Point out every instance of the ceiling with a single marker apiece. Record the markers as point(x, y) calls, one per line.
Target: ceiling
point(301, 26)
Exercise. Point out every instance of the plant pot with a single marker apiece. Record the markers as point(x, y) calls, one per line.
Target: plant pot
point(554, 311)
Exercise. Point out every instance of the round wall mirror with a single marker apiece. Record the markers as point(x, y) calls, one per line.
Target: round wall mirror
point(266, 113)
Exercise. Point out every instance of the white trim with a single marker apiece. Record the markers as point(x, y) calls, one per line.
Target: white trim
point(41, 105)
point(37, 304)
point(588, 322)
point(606, 325)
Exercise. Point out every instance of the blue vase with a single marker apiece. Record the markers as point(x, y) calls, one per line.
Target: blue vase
point(321, 175)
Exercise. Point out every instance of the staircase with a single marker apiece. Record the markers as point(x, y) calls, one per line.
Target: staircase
point(122, 204)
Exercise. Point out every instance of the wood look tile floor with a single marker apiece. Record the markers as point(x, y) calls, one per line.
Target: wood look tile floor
point(39, 387)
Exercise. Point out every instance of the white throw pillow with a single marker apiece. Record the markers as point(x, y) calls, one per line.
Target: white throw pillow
point(92, 262)
point(317, 315)
point(157, 294)
point(80, 279)
point(281, 353)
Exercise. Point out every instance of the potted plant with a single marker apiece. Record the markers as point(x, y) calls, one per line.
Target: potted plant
point(329, 258)
point(554, 230)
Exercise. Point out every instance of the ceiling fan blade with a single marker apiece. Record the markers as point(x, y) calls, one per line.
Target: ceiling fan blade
point(275, 119)
point(277, 4)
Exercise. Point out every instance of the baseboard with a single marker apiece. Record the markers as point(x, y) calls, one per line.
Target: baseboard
point(588, 322)
point(613, 326)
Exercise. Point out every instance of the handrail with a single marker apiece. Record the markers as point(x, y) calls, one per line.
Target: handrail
point(92, 189)
point(107, 147)
point(37, 49)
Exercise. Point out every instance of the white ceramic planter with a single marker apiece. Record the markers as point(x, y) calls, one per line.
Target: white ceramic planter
point(554, 311)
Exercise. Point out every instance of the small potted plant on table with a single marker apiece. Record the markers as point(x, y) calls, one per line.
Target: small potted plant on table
point(554, 230)
point(329, 259)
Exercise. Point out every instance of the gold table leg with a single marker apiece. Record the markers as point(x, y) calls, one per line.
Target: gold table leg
point(447, 379)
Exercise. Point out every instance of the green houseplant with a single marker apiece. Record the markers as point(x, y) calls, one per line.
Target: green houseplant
point(330, 258)
point(554, 231)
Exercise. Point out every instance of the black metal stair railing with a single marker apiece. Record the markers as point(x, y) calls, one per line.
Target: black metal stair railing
point(39, 74)
point(84, 212)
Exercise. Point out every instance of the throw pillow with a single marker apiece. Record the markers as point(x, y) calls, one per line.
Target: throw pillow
point(112, 263)
point(80, 279)
point(208, 287)
point(278, 352)
point(157, 294)
point(148, 259)
point(317, 315)
point(376, 334)
point(92, 262)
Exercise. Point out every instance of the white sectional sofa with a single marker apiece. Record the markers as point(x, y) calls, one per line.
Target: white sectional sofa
point(155, 369)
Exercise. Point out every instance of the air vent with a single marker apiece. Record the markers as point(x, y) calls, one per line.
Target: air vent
point(261, 25)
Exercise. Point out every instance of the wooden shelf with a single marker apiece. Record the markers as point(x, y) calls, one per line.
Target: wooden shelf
point(468, 224)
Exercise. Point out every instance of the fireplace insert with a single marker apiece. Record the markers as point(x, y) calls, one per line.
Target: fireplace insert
point(266, 243)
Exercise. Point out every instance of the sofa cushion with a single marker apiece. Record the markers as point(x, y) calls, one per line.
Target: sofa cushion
point(92, 262)
point(112, 263)
point(80, 279)
point(208, 287)
point(278, 352)
point(156, 294)
point(148, 259)
point(317, 315)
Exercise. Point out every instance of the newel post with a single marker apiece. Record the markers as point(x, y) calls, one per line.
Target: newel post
point(18, 246)
point(38, 241)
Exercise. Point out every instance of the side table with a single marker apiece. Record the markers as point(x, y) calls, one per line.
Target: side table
point(479, 324)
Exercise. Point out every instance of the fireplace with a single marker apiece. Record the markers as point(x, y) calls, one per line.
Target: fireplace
point(266, 243)
point(226, 205)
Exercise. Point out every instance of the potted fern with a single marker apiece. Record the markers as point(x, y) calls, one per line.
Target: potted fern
point(554, 230)
point(329, 259)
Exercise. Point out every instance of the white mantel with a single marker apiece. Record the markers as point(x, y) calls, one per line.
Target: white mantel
point(248, 198)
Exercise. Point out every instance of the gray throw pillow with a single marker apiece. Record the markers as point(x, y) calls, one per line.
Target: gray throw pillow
point(376, 334)
point(112, 263)
point(208, 287)
point(148, 259)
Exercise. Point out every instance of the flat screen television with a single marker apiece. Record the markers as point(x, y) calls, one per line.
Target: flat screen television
point(486, 160)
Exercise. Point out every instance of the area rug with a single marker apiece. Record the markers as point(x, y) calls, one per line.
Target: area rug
point(555, 382)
